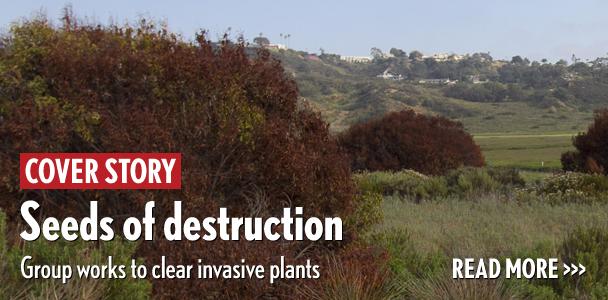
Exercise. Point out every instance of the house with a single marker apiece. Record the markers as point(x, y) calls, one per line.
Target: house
point(387, 75)
point(356, 59)
point(276, 47)
point(442, 81)
point(476, 79)
point(442, 57)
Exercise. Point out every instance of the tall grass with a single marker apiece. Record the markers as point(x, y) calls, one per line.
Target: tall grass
point(487, 227)
point(448, 288)
point(345, 281)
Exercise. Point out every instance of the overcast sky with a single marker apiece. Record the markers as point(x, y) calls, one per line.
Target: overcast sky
point(534, 28)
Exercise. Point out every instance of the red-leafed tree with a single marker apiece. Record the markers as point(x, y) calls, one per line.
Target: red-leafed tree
point(591, 153)
point(408, 140)
point(245, 143)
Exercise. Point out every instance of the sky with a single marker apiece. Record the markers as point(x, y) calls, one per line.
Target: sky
point(535, 29)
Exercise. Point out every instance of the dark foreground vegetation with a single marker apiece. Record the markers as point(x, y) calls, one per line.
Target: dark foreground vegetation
point(246, 144)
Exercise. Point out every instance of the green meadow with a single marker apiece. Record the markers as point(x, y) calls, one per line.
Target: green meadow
point(537, 152)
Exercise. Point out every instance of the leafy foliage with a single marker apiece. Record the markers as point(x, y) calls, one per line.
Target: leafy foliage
point(246, 144)
point(464, 183)
point(588, 247)
point(568, 188)
point(585, 246)
point(405, 261)
point(592, 148)
point(13, 285)
point(407, 140)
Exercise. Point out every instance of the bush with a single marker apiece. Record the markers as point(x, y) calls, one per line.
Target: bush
point(351, 276)
point(245, 142)
point(592, 148)
point(572, 161)
point(568, 187)
point(588, 247)
point(445, 287)
point(405, 261)
point(407, 140)
point(407, 184)
point(462, 183)
point(507, 177)
point(368, 212)
point(13, 285)
point(469, 182)
point(585, 246)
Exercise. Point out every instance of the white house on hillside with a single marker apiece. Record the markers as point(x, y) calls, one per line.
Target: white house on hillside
point(356, 59)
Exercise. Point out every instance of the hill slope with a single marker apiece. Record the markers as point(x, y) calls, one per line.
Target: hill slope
point(513, 97)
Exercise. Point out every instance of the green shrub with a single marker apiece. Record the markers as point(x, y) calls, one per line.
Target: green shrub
point(534, 288)
point(507, 177)
point(461, 183)
point(468, 182)
point(585, 246)
point(406, 183)
point(568, 187)
point(61, 252)
point(588, 247)
point(528, 290)
point(368, 211)
point(405, 261)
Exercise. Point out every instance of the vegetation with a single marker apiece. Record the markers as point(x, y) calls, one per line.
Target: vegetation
point(568, 188)
point(591, 148)
point(537, 97)
point(459, 184)
point(14, 286)
point(407, 140)
point(246, 143)
point(251, 145)
point(420, 237)
point(525, 152)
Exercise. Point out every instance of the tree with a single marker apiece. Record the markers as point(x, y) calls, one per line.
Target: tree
point(408, 140)
point(397, 52)
point(261, 41)
point(376, 53)
point(416, 55)
point(591, 153)
point(517, 60)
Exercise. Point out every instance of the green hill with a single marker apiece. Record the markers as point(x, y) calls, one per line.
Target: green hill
point(490, 97)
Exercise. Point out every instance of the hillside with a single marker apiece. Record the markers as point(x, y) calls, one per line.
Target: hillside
point(489, 97)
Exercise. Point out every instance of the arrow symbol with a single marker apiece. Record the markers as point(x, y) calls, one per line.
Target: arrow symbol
point(574, 269)
point(566, 269)
point(582, 269)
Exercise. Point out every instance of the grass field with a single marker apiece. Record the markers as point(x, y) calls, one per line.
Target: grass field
point(487, 227)
point(527, 152)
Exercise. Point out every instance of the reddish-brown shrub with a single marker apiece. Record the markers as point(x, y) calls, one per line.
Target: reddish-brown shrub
point(357, 273)
point(591, 153)
point(245, 144)
point(407, 140)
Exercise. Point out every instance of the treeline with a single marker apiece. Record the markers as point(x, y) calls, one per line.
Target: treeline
point(481, 78)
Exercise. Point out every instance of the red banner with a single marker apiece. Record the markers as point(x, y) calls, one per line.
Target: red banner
point(100, 171)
